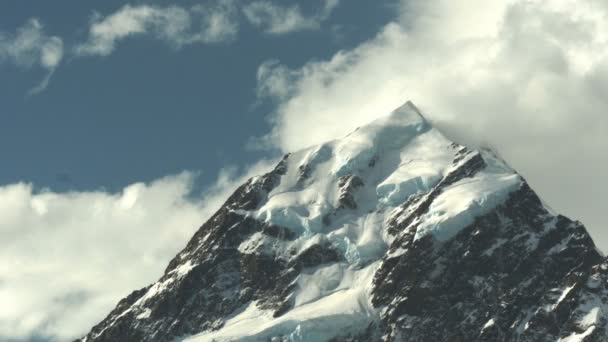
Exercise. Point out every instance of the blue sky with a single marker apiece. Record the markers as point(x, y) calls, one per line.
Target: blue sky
point(149, 109)
point(125, 125)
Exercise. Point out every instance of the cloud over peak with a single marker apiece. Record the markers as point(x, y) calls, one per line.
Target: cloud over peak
point(529, 77)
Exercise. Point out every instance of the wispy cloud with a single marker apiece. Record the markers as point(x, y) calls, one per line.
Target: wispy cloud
point(177, 26)
point(31, 47)
point(280, 19)
point(212, 22)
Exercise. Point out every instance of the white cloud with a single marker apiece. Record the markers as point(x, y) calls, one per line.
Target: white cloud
point(67, 258)
point(175, 25)
point(212, 22)
point(276, 19)
point(219, 22)
point(30, 46)
point(528, 77)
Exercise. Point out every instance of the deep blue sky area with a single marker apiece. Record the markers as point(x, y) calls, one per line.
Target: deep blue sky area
point(148, 110)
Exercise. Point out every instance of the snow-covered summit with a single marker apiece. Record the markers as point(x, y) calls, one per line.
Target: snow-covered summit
point(409, 109)
point(376, 168)
point(393, 233)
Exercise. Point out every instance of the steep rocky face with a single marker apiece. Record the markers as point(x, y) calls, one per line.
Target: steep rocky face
point(517, 273)
point(393, 233)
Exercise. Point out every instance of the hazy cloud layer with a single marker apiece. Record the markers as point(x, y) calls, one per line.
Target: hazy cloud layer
point(278, 19)
point(67, 258)
point(31, 47)
point(528, 77)
point(175, 25)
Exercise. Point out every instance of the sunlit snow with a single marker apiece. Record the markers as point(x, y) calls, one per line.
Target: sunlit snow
point(396, 157)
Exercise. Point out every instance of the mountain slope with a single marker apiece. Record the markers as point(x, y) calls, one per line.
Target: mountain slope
point(391, 233)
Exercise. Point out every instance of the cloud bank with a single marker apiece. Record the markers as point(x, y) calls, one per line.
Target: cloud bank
point(528, 77)
point(67, 258)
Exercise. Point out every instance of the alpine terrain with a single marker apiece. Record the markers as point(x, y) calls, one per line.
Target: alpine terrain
point(392, 233)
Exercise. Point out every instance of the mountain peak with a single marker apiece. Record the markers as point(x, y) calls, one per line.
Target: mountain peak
point(409, 111)
point(391, 233)
point(409, 106)
point(390, 132)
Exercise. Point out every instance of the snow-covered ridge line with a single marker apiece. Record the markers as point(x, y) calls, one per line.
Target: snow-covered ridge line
point(364, 238)
point(377, 167)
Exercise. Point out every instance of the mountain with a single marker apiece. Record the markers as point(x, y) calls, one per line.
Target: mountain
point(392, 233)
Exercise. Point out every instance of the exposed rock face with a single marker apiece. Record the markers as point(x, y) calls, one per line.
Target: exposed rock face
point(392, 233)
point(515, 274)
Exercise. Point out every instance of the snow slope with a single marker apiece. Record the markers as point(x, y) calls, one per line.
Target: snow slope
point(331, 300)
point(408, 157)
point(391, 233)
